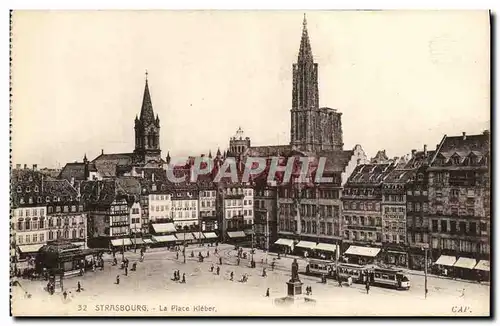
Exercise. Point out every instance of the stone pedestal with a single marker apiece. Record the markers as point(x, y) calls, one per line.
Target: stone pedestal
point(294, 288)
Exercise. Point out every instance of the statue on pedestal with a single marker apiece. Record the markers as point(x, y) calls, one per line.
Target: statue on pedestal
point(295, 271)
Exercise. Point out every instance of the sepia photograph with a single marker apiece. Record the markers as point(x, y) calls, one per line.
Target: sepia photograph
point(208, 163)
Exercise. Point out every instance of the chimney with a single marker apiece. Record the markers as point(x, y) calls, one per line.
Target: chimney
point(425, 150)
point(413, 152)
point(18, 166)
point(102, 151)
point(464, 137)
point(25, 166)
point(35, 167)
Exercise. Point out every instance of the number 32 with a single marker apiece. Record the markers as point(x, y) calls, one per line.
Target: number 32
point(82, 307)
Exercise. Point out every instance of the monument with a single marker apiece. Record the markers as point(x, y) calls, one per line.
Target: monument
point(294, 285)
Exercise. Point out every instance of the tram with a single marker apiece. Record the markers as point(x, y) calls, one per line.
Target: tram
point(356, 272)
point(390, 277)
point(320, 267)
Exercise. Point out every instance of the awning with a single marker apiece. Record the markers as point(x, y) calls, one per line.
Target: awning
point(121, 242)
point(137, 241)
point(180, 236)
point(164, 228)
point(164, 238)
point(325, 247)
point(198, 235)
point(80, 244)
point(284, 242)
point(483, 265)
point(148, 241)
point(236, 234)
point(446, 260)
point(362, 251)
point(30, 248)
point(467, 263)
point(306, 244)
point(210, 235)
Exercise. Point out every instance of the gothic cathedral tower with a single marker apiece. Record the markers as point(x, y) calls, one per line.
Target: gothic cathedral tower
point(313, 129)
point(147, 130)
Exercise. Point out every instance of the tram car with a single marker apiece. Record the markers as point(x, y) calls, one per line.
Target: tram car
point(320, 267)
point(390, 277)
point(356, 272)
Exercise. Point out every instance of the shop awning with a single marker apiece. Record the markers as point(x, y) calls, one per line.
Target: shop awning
point(210, 235)
point(164, 228)
point(464, 262)
point(483, 265)
point(137, 241)
point(164, 238)
point(362, 251)
point(147, 241)
point(306, 244)
point(80, 244)
point(198, 235)
point(30, 248)
point(284, 242)
point(446, 260)
point(180, 236)
point(325, 247)
point(236, 234)
point(121, 242)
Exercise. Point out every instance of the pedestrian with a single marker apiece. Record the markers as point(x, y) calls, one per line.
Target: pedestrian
point(212, 268)
point(218, 270)
point(232, 275)
point(78, 287)
point(117, 279)
point(216, 251)
point(176, 255)
point(192, 254)
point(264, 274)
point(463, 293)
point(340, 281)
point(367, 287)
point(310, 290)
point(115, 262)
point(134, 267)
point(272, 266)
point(65, 295)
point(220, 260)
point(267, 292)
point(208, 253)
point(238, 261)
point(126, 271)
point(183, 278)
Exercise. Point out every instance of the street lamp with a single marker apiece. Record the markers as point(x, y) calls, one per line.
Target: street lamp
point(425, 248)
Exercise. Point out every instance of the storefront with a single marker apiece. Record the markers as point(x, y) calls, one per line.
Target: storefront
point(464, 268)
point(483, 270)
point(361, 255)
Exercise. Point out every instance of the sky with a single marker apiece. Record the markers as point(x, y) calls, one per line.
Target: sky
point(402, 79)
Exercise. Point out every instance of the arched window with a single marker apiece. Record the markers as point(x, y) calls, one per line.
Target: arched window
point(51, 235)
point(58, 234)
point(36, 188)
point(73, 234)
point(66, 234)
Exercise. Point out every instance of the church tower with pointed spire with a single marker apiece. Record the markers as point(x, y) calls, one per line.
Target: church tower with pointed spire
point(313, 128)
point(147, 130)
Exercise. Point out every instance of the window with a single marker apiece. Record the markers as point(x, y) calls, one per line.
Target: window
point(444, 226)
point(35, 237)
point(28, 189)
point(453, 227)
point(42, 237)
point(322, 227)
point(19, 189)
point(51, 235)
point(42, 223)
point(455, 193)
point(20, 224)
point(462, 227)
point(28, 212)
point(58, 221)
point(329, 228)
point(27, 238)
point(27, 225)
point(434, 226)
point(483, 226)
point(472, 228)
point(20, 239)
point(73, 234)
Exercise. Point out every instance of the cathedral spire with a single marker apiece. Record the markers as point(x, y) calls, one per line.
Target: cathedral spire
point(147, 114)
point(305, 52)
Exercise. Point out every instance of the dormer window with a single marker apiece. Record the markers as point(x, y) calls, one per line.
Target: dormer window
point(55, 198)
point(30, 200)
point(19, 189)
point(36, 188)
point(39, 200)
point(28, 189)
point(21, 200)
point(47, 199)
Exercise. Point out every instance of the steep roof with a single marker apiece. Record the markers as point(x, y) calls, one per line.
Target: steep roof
point(73, 170)
point(462, 147)
point(369, 174)
point(266, 151)
point(106, 164)
point(147, 116)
